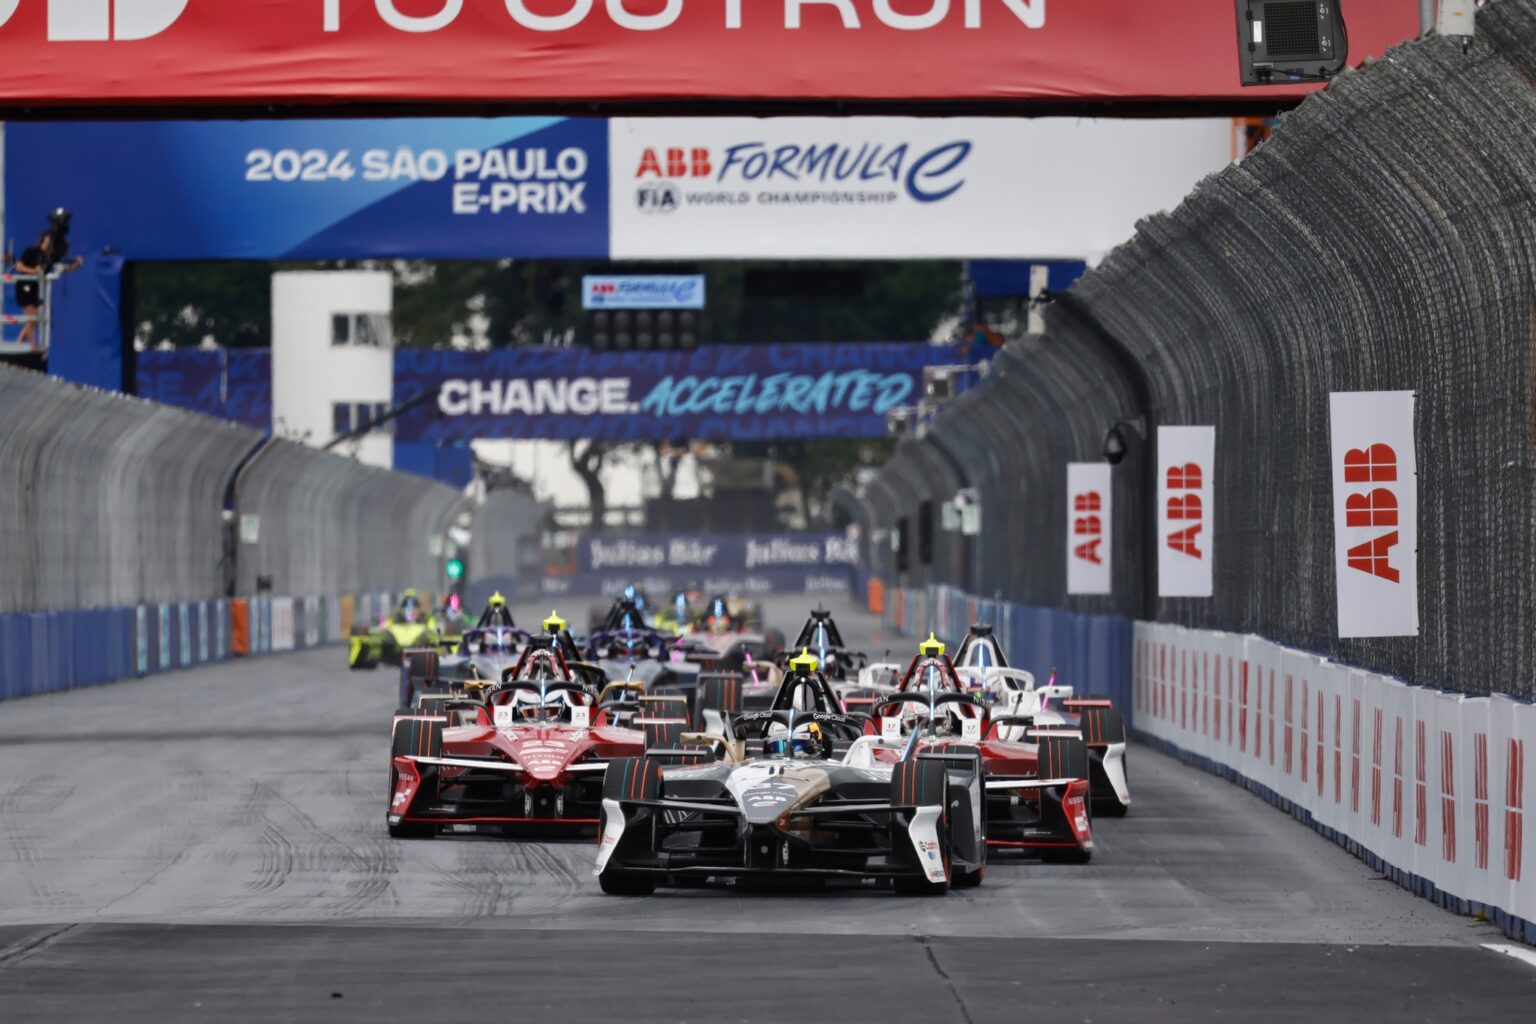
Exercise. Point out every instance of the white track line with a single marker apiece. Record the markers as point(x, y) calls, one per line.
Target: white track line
point(1525, 953)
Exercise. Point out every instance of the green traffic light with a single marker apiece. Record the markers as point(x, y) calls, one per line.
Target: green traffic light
point(455, 568)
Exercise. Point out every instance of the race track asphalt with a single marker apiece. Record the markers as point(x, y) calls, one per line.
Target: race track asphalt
point(210, 845)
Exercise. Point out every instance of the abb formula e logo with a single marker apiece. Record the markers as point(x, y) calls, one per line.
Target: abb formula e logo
point(88, 21)
point(922, 172)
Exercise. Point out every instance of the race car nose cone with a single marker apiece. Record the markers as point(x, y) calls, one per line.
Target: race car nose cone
point(544, 771)
point(765, 802)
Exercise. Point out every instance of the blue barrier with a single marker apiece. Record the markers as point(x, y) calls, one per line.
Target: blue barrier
point(202, 631)
point(16, 655)
point(141, 640)
point(120, 649)
point(46, 652)
point(163, 621)
point(184, 635)
point(86, 635)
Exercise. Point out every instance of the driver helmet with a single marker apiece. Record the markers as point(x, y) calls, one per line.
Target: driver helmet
point(808, 741)
point(410, 606)
point(531, 707)
point(497, 641)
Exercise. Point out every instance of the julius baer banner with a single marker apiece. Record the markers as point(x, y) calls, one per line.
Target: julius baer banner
point(740, 392)
point(712, 563)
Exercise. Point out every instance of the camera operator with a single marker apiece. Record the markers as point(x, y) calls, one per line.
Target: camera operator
point(51, 250)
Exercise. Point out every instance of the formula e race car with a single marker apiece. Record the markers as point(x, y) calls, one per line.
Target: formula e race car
point(409, 625)
point(482, 653)
point(1037, 785)
point(626, 646)
point(526, 753)
point(1013, 693)
point(822, 638)
point(788, 795)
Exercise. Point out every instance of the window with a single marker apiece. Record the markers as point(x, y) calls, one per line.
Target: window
point(349, 416)
point(367, 330)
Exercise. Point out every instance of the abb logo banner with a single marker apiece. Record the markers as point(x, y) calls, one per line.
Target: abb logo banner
point(1186, 458)
point(1375, 513)
point(82, 21)
point(1088, 534)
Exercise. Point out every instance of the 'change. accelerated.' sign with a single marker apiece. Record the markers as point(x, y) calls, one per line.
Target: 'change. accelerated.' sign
point(728, 392)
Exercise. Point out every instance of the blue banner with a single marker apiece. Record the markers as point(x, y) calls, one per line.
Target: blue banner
point(750, 563)
point(440, 188)
point(662, 584)
point(715, 553)
point(233, 384)
point(747, 392)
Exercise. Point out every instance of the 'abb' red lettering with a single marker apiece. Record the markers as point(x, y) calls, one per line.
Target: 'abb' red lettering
point(1186, 508)
point(1088, 526)
point(679, 163)
point(1377, 507)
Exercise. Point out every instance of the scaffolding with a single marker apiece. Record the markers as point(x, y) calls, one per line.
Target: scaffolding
point(12, 326)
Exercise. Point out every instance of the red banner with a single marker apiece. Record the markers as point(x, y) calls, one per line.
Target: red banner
point(106, 52)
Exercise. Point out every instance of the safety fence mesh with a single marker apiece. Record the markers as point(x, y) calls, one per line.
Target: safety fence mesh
point(1383, 239)
point(111, 502)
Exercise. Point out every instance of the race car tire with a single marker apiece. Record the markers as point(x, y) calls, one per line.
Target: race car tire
point(1065, 757)
point(921, 783)
point(628, 778)
point(1101, 725)
point(420, 737)
point(720, 693)
point(969, 879)
point(663, 735)
point(416, 668)
point(1062, 757)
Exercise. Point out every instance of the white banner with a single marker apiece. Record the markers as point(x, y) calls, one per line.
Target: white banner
point(1375, 513)
point(1186, 461)
point(891, 188)
point(1088, 528)
point(643, 291)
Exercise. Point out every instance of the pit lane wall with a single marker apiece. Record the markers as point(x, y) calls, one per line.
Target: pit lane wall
point(117, 556)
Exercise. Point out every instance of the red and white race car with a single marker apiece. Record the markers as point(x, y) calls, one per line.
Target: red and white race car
point(1036, 785)
point(527, 752)
point(1013, 693)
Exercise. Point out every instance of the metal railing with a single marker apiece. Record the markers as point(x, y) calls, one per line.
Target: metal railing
point(42, 339)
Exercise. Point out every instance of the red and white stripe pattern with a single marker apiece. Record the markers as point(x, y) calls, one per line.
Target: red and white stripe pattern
point(1386, 765)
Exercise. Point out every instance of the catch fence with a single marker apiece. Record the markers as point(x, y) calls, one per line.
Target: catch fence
point(1383, 239)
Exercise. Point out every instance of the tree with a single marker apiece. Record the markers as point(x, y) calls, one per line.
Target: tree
point(184, 303)
point(587, 460)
